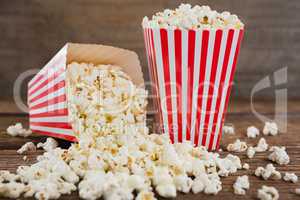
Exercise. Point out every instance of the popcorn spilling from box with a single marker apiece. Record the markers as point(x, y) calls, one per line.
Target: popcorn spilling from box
point(115, 155)
point(197, 17)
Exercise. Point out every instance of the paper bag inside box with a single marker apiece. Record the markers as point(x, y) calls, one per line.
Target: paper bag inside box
point(47, 101)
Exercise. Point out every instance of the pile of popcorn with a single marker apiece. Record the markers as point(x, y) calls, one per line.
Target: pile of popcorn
point(197, 17)
point(116, 157)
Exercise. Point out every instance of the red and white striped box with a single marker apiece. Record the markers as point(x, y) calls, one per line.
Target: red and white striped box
point(47, 101)
point(192, 71)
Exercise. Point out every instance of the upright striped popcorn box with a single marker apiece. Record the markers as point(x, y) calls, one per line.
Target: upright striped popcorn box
point(47, 99)
point(192, 70)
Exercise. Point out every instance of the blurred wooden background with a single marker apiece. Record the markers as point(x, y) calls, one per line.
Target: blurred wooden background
point(31, 31)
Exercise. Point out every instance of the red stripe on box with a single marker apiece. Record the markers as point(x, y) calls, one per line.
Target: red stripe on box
point(213, 74)
point(47, 81)
point(56, 87)
point(178, 63)
point(52, 101)
point(204, 49)
point(166, 68)
point(55, 113)
point(190, 68)
point(154, 68)
point(230, 82)
point(63, 125)
point(221, 84)
point(56, 135)
point(56, 59)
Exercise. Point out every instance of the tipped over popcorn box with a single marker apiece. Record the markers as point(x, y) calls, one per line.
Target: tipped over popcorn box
point(192, 54)
point(54, 106)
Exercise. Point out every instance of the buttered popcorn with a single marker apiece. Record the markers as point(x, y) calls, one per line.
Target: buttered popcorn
point(18, 130)
point(197, 17)
point(237, 146)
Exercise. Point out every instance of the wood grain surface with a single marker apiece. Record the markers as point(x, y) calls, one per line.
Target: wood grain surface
point(240, 116)
point(32, 31)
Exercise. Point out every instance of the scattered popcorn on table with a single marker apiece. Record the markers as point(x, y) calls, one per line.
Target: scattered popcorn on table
point(18, 130)
point(241, 185)
point(279, 155)
point(237, 146)
point(269, 172)
point(252, 132)
point(292, 177)
point(250, 152)
point(246, 166)
point(188, 17)
point(228, 129)
point(29, 146)
point(49, 145)
point(267, 193)
point(262, 145)
point(270, 128)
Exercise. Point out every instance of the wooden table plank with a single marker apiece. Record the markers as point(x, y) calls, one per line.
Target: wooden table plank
point(9, 159)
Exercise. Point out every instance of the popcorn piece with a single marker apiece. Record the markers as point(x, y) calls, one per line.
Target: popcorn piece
point(252, 132)
point(183, 183)
point(237, 146)
point(250, 152)
point(18, 130)
point(269, 172)
point(267, 193)
point(279, 155)
point(261, 145)
point(292, 177)
point(29, 146)
point(188, 17)
point(228, 130)
point(270, 128)
point(11, 189)
point(209, 183)
point(246, 166)
point(6, 176)
point(49, 145)
point(297, 191)
point(145, 195)
point(241, 185)
point(25, 158)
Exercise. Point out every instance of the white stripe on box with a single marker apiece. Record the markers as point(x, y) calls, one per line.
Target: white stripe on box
point(46, 75)
point(173, 83)
point(216, 86)
point(226, 83)
point(184, 66)
point(206, 83)
point(161, 82)
point(56, 58)
point(198, 47)
point(61, 131)
point(49, 108)
point(48, 97)
point(48, 86)
point(50, 119)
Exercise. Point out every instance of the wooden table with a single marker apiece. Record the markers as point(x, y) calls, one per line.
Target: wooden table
point(239, 115)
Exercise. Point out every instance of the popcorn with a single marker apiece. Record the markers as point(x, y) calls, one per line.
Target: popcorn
point(261, 145)
point(267, 193)
point(228, 130)
point(292, 177)
point(252, 132)
point(209, 183)
point(246, 166)
point(237, 146)
point(6, 176)
point(241, 185)
point(145, 195)
point(297, 191)
point(183, 183)
point(268, 172)
point(251, 152)
point(11, 189)
point(29, 146)
point(49, 145)
point(270, 128)
point(279, 155)
point(18, 130)
point(188, 17)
